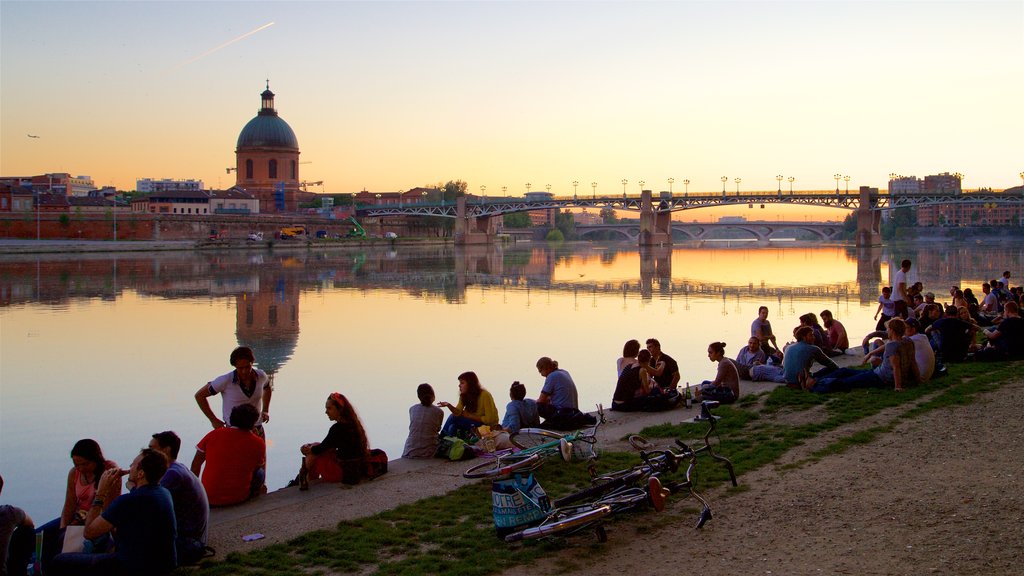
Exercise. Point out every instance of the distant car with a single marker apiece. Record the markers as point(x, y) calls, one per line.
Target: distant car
point(390, 235)
point(255, 236)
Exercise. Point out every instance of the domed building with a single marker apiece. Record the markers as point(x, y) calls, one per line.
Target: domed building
point(267, 159)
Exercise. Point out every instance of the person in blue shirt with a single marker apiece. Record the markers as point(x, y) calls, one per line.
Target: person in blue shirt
point(521, 412)
point(144, 519)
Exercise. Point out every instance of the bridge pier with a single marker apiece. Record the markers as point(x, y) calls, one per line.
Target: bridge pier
point(655, 227)
point(869, 222)
point(472, 230)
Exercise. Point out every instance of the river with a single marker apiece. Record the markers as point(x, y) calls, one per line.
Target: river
point(113, 346)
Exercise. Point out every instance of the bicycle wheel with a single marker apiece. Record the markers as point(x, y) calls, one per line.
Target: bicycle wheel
point(602, 485)
point(560, 524)
point(503, 466)
point(531, 437)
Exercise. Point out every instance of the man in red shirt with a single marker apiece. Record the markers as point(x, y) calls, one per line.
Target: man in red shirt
point(235, 457)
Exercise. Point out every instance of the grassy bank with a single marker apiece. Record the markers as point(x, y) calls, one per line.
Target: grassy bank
point(453, 534)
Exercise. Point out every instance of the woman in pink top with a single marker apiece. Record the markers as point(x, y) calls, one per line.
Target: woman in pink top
point(83, 478)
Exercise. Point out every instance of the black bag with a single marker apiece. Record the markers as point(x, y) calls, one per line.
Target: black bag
point(376, 464)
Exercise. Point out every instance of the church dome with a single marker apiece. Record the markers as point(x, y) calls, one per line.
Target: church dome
point(267, 129)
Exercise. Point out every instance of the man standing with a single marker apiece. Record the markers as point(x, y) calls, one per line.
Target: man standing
point(666, 371)
point(243, 385)
point(234, 457)
point(191, 508)
point(902, 289)
point(144, 519)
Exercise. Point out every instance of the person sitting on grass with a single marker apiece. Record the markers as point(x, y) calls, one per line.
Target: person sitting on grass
point(425, 421)
point(725, 388)
point(521, 412)
point(801, 356)
point(344, 444)
point(629, 352)
point(750, 356)
point(234, 458)
point(1005, 341)
point(898, 368)
point(838, 341)
point(635, 385)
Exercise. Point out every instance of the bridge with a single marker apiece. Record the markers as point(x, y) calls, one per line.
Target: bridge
point(477, 217)
point(762, 231)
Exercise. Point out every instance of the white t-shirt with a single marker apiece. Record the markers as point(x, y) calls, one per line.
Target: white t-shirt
point(900, 276)
point(232, 394)
point(924, 356)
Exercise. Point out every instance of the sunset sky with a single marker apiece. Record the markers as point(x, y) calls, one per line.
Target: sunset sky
point(393, 95)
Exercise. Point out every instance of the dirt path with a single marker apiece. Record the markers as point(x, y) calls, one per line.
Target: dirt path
point(941, 494)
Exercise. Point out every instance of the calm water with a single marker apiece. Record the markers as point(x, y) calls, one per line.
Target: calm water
point(113, 347)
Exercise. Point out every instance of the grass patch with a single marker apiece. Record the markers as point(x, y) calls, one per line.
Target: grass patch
point(454, 534)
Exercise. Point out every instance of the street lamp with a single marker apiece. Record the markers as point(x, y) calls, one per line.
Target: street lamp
point(724, 180)
point(483, 193)
point(779, 178)
point(837, 177)
point(624, 182)
point(670, 181)
point(504, 190)
point(593, 186)
point(527, 187)
point(548, 188)
point(847, 179)
point(424, 193)
point(686, 183)
point(791, 179)
point(641, 183)
point(738, 186)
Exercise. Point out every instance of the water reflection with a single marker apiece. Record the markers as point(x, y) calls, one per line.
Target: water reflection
point(110, 346)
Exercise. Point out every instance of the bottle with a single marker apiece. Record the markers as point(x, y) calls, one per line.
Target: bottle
point(303, 476)
point(689, 397)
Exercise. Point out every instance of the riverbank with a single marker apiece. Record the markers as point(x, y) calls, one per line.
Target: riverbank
point(14, 247)
point(899, 489)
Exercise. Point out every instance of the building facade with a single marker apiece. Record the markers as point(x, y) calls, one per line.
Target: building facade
point(150, 185)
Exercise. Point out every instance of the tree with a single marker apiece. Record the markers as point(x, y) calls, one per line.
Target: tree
point(608, 215)
point(901, 218)
point(517, 220)
point(566, 224)
point(555, 235)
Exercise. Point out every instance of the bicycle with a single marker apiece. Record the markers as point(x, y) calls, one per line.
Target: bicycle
point(536, 445)
point(629, 488)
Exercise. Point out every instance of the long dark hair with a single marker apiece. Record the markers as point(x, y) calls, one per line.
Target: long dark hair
point(89, 449)
point(471, 396)
point(348, 415)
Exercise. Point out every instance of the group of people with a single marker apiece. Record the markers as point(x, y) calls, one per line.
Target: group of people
point(162, 521)
point(557, 404)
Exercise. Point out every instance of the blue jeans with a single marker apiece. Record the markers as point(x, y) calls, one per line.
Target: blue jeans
point(846, 379)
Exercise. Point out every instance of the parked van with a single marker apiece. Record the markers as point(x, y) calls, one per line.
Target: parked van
point(293, 232)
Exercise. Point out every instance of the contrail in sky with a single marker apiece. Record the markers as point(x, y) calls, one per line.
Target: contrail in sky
point(224, 45)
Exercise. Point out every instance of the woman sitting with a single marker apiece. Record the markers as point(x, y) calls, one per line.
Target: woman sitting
point(83, 479)
point(725, 388)
point(629, 353)
point(635, 386)
point(475, 408)
point(339, 456)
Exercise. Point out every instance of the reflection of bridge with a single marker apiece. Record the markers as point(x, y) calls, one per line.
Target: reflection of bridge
point(760, 230)
point(476, 218)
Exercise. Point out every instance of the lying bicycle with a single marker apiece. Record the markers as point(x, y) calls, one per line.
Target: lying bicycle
point(631, 488)
point(535, 445)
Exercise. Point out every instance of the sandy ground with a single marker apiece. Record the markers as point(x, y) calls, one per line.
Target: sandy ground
point(941, 494)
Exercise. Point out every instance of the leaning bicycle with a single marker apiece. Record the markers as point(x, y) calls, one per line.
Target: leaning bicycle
point(535, 445)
